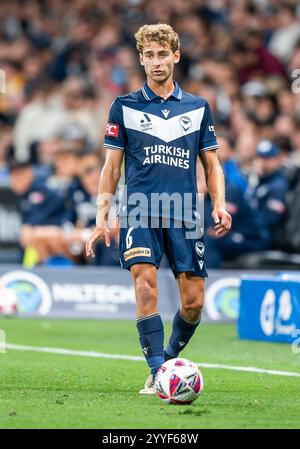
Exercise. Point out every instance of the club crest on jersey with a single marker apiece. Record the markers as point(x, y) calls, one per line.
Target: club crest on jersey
point(200, 248)
point(185, 122)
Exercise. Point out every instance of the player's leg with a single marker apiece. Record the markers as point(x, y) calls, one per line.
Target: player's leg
point(188, 317)
point(141, 252)
point(186, 251)
point(149, 323)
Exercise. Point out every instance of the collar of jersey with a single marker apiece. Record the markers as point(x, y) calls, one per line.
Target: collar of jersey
point(149, 95)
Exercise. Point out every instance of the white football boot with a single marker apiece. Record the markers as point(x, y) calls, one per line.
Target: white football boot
point(149, 387)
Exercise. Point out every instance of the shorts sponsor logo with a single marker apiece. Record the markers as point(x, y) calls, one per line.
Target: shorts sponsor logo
point(112, 130)
point(137, 252)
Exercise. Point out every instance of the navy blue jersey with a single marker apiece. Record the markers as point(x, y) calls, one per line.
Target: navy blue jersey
point(269, 197)
point(41, 206)
point(161, 140)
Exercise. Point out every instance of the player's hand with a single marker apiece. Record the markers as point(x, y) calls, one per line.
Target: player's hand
point(222, 221)
point(97, 234)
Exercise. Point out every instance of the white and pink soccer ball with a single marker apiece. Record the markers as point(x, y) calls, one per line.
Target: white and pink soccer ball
point(179, 381)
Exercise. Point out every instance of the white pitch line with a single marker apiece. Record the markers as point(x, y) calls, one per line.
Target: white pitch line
point(102, 355)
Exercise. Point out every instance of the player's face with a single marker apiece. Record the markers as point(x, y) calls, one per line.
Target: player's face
point(20, 180)
point(158, 61)
point(89, 172)
point(267, 166)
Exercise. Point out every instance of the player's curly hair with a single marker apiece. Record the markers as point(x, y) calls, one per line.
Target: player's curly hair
point(160, 33)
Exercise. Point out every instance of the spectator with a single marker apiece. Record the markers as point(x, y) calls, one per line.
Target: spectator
point(268, 192)
point(248, 232)
point(67, 242)
point(39, 205)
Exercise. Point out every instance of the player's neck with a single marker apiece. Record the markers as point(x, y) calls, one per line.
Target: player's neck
point(164, 89)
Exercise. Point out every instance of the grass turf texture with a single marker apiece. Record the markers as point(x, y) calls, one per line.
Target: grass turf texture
point(56, 391)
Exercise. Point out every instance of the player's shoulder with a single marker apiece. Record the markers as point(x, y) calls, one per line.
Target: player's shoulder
point(197, 99)
point(131, 97)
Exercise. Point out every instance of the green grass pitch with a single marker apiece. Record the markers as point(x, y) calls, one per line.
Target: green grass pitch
point(41, 390)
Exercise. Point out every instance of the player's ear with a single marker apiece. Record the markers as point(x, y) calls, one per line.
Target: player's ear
point(141, 59)
point(176, 56)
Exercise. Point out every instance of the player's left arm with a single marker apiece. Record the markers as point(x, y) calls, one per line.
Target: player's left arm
point(216, 189)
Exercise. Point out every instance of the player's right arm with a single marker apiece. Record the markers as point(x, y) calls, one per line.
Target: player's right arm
point(114, 142)
point(108, 182)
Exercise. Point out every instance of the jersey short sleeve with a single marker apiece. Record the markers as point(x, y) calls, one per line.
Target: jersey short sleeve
point(208, 140)
point(115, 131)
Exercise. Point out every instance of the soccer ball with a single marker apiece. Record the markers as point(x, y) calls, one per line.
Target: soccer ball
point(8, 301)
point(178, 381)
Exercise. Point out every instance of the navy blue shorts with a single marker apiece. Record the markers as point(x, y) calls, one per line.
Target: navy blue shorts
point(147, 245)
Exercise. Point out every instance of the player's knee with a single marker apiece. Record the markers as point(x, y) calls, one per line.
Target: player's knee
point(192, 311)
point(192, 305)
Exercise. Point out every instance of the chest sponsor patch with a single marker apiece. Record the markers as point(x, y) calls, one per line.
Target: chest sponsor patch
point(137, 252)
point(112, 130)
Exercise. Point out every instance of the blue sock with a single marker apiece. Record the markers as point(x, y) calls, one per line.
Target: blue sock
point(151, 332)
point(182, 331)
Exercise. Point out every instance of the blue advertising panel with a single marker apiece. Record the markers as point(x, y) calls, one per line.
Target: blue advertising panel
point(270, 308)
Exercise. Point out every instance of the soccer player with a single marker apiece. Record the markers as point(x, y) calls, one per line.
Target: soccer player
point(161, 130)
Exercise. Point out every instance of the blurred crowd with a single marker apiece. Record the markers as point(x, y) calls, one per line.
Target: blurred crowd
point(64, 63)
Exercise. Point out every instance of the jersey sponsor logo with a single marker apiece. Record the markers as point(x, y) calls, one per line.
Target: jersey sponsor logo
point(185, 122)
point(166, 130)
point(137, 252)
point(200, 248)
point(112, 130)
point(168, 155)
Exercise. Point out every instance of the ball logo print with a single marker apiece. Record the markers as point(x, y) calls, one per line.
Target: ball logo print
point(178, 381)
point(112, 130)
